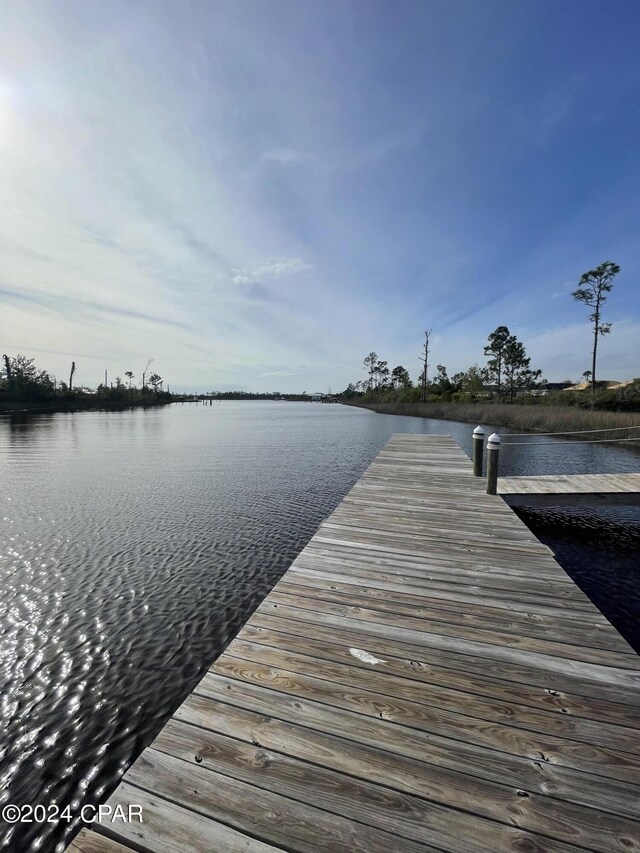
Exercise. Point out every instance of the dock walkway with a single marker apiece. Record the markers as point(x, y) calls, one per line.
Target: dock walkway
point(425, 677)
point(576, 484)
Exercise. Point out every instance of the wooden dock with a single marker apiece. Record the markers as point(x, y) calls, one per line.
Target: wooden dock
point(575, 484)
point(425, 677)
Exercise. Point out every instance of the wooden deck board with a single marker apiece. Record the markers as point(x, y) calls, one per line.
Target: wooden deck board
point(87, 840)
point(425, 677)
point(554, 484)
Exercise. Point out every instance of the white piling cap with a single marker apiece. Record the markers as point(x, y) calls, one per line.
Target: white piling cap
point(478, 431)
point(494, 439)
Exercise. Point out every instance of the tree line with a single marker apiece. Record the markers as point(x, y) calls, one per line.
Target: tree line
point(507, 373)
point(22, 382)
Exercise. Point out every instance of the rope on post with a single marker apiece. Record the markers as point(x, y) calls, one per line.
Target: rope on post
point(477, 451)
point(493, 453)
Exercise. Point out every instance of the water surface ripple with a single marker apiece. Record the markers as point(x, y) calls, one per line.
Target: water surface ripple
point(135, 544)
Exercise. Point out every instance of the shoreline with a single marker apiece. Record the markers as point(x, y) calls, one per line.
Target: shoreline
point(79, 406)
point(537, 418)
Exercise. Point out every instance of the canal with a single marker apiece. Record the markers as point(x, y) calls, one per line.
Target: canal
point(136, 543)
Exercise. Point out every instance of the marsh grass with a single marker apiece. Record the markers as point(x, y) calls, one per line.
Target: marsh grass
point(526, 418)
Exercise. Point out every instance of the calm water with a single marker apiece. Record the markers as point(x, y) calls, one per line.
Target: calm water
point(135, 544)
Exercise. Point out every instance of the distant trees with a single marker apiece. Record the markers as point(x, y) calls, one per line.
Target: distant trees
point(517, 371)
point(382, 374)
point(380, 377)
point(371, 364)
point(592, 290)
point(22, 382)
point(508, 373)
point(508, 370)
point(442, 383)
point(379, 374)
point(156, 382)
point(470, 383)
point(400, 377)
point(508, 365)
point(129, 375)
point(495, 349)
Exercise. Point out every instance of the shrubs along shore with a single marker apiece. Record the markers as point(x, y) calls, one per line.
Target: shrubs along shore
point(529, 418)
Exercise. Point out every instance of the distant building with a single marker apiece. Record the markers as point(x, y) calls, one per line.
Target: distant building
point(601, 383)
point(550, 387)
point(547, 387)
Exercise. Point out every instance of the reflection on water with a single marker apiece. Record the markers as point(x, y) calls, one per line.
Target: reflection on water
point(134, 546)
point(599, 546)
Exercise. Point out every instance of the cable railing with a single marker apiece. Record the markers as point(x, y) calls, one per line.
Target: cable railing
point(562, 443)
point(494, 443)
point(574, 431)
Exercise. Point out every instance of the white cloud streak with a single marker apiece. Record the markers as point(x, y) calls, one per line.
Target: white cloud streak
point(271, 269)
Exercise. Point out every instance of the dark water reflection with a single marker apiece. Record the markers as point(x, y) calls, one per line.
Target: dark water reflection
point(598, 543)
point(134, 546)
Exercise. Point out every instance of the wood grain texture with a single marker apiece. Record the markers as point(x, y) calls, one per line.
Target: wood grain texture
point(459, 702)
point(381, 806)
point(412, 773)
point(570, 484)
point(425, 677)
point(90, 842)
point(434, 674)
point(168, 827)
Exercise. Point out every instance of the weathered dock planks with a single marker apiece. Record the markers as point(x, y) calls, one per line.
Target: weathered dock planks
point(555, 484)
point(425, 677)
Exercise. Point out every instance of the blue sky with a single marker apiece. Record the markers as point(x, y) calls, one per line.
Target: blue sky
point(257, 194)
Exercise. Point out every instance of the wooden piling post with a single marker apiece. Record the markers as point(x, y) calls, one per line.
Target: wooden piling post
point(493, 453)
point(477, 450)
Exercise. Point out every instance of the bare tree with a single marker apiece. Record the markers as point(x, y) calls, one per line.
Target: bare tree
point(144, 374)
point(425, 360)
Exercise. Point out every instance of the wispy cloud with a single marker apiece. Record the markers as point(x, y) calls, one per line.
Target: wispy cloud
point(270, 269)
point(283, 156)
point(283, 372)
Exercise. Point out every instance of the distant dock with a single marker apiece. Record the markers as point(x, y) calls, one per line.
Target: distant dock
point(425, 677)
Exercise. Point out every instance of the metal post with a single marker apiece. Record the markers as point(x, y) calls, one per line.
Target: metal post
point(477, 449)
point(493, 453)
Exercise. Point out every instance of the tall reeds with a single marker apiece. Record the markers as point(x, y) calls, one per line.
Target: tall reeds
point(526, 418)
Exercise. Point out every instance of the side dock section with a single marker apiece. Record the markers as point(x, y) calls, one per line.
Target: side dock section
point(425, 677)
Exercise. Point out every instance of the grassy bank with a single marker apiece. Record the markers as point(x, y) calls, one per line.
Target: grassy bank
point(534, 418)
